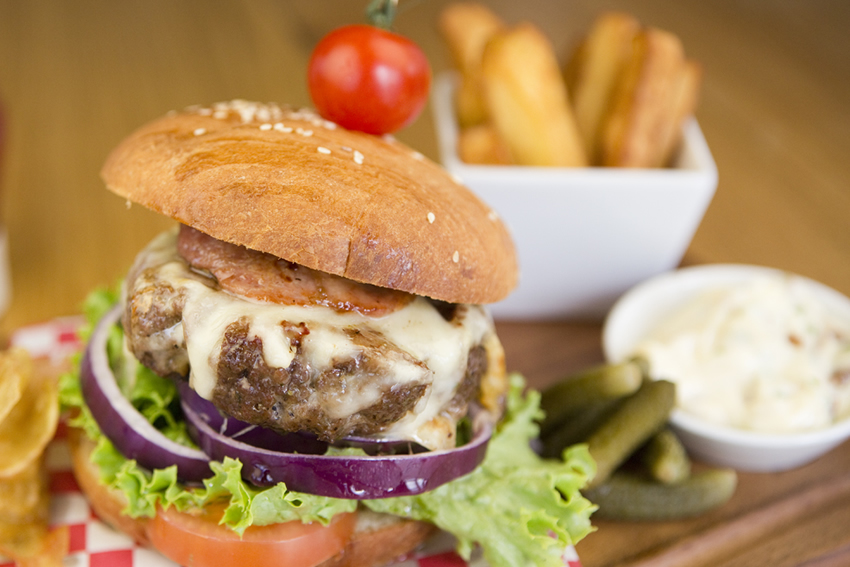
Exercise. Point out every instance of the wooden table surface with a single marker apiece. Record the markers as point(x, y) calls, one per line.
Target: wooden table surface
point(77, 76)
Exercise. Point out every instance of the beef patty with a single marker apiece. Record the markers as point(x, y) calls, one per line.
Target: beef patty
point(363, 389)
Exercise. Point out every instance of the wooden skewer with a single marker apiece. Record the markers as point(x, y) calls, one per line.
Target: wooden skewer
point(707, 546)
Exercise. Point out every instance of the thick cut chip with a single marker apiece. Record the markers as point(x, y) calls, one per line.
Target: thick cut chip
point(466, 27)
point(527, 99)
point(685, 98)
point(482, 144)
point(646, 101)
point(593, 72)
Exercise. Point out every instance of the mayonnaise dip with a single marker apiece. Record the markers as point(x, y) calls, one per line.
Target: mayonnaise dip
point(766, 356)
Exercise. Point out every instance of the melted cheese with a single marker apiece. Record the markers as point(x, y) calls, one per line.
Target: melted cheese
point(418, 329)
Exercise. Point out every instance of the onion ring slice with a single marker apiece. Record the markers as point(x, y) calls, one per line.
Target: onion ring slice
point(342, 476)
point(296, 442)
point(255, 435)
point(122, 424)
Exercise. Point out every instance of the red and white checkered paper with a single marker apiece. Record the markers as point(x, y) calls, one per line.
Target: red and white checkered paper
point(93, 543)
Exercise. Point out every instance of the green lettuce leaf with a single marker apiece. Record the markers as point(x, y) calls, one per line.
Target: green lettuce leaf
point(520, 509)
point(156, 398)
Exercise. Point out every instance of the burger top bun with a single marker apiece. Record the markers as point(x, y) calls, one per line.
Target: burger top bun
point(292, 184)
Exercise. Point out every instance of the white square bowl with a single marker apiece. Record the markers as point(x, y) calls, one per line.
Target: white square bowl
point(585, 235)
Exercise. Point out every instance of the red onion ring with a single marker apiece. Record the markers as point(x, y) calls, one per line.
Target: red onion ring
point(122, 424)
point(245, 432)
point(349, 477)
point(298, 442)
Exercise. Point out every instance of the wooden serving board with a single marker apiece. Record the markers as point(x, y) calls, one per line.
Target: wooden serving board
point(798, 517)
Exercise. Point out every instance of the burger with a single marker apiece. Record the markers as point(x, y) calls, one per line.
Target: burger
point(303, 371)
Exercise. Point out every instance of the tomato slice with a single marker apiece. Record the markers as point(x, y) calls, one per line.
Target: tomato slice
point(197, 540)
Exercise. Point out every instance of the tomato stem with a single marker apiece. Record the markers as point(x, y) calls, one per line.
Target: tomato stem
point(381, 13)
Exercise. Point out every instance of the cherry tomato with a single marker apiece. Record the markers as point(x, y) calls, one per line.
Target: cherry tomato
point(197, 540)
point(368, 79)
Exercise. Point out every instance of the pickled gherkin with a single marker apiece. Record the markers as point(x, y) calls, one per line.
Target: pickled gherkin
point(627, 496)
point(639, 417)
point(597, 385)
point(578, 428)
point(643, 470)
point(665, 459)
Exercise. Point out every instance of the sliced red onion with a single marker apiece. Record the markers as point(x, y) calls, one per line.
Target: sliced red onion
point(350, 477)
point(380, 446)
point(254, 435)
point(300, 442)
point(122, 424)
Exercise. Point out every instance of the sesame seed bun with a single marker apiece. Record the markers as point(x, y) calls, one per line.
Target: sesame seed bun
point(289, 183)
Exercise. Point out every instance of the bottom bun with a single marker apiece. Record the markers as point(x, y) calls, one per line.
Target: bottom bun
point(380, 538)
point(377, 539)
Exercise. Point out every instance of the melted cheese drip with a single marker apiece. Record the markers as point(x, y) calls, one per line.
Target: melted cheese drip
point(417, 329)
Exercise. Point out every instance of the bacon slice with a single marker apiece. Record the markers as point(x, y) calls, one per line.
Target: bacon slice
point(265, 277)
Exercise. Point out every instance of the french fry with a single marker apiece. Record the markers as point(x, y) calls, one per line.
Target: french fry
point(466, 27)
point(482, 145)
point(527, 100)
point(593, 71)
point(468, 103)
point(621, 100)
point(643, 105)
point(685, 99)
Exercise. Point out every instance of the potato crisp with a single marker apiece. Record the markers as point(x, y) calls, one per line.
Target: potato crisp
point(29, 414)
